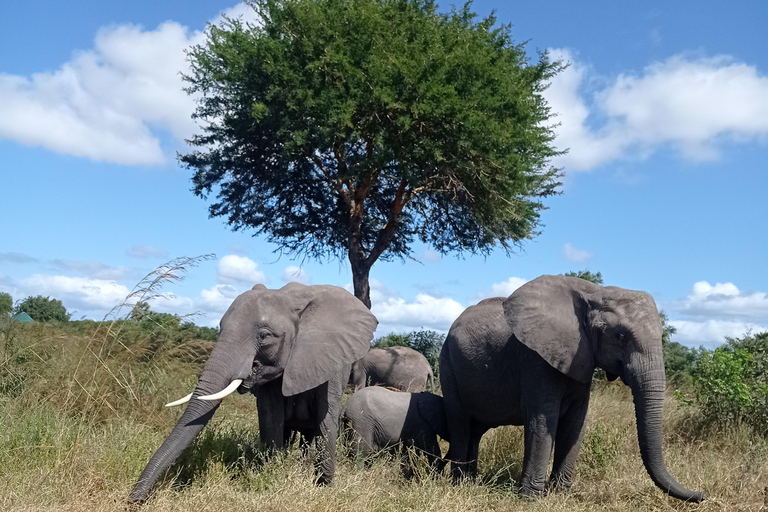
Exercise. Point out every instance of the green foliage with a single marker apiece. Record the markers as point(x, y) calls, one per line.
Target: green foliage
point(428, 343)
point(731, 383)
point(587, 275)
point(393, 340)
point(355, 128)
point(667, 329)
point(680, 362)
point(43, 309)
point(6, 304)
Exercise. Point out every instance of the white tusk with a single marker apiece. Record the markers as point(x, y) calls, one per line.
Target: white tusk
point(180, 401)
point(224, 392)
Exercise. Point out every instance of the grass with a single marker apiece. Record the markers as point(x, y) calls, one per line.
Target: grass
point(81, 412)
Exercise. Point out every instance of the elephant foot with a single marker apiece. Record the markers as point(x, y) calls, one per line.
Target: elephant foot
point(559, 484)
point(324, 477)
point(530, 493)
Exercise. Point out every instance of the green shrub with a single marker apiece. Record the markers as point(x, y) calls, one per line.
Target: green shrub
point(731, 383)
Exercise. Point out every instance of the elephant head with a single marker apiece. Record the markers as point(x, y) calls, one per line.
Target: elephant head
point(304, 334)
point(576, 325)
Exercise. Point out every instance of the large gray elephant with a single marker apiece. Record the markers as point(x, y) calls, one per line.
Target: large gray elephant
point(528, 360)
point(381, 418)
point(398, 367)
point(293, 349)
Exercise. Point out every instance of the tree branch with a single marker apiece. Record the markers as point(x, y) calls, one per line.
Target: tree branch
point(388, 231)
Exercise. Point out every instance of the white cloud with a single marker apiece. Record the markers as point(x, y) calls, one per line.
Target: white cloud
point(76, 293)
point(690, 104)
point(105, 102)
point(233, 269)
point(586, 148)
point(426, 311)
point(146, 251)
point(502, 289)
point(711, 333)
point(571, 253)
point(723, 301)
point(296, 274)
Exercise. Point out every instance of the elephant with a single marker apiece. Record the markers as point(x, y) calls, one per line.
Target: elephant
point(528, 360)
point(293, 349)
point(398, 367)
point(381, 418)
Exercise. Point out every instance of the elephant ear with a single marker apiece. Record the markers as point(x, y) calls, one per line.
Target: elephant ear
point(334, 330)
point(548, 315)
point(432, 411)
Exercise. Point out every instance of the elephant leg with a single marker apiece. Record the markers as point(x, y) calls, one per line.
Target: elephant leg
point(476, 435)
point(329, 409)
point(570, 433)
point(307, 446)
point(459, 425)
point(434, 455)
point(539, 432)
point(363, 447)
point(270, 405)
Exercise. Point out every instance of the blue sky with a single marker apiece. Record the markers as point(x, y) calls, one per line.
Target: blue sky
point(664, 108)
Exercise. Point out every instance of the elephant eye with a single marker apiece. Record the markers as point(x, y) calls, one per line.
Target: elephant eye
point(263, 334)
point(621, 337)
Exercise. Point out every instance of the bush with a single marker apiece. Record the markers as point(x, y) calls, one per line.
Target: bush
point(43, 309)
point(680, 362)
point(731, 383)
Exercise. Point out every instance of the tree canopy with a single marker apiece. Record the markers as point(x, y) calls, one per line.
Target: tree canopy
point(43, 309)
point(355, 128)
point(587, 275)
point(6, 303)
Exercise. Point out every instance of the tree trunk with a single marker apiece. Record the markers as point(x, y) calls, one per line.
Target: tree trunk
point(360, 282)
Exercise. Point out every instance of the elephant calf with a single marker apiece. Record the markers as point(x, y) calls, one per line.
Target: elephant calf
point(381, 418)
point(402, 368)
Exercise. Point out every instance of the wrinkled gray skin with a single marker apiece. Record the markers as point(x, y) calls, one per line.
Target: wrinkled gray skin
point(398, 367)
point(293, 347)
point(381, 418)
point(528, 360)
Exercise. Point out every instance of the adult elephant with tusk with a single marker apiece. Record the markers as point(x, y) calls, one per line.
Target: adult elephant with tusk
point(293, 349)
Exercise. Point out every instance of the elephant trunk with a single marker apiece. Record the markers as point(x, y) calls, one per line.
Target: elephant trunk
point(226, 363)
point(646, 378)
point(195, 417)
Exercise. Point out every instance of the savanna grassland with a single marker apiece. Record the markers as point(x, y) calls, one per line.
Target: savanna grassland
point(82, 410)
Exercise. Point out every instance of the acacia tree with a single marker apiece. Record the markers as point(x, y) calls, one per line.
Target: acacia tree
point(354, 128)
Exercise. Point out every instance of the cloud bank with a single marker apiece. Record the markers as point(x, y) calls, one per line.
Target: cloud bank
point(109, 103)
point(691, 104)
point(712, 312)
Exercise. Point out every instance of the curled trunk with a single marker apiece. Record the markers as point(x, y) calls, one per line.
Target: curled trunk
point(648, 383)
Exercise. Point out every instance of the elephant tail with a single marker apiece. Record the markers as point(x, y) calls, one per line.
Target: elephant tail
point(431, 380)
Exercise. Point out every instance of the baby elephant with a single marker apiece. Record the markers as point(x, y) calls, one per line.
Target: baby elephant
point(381, 418)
